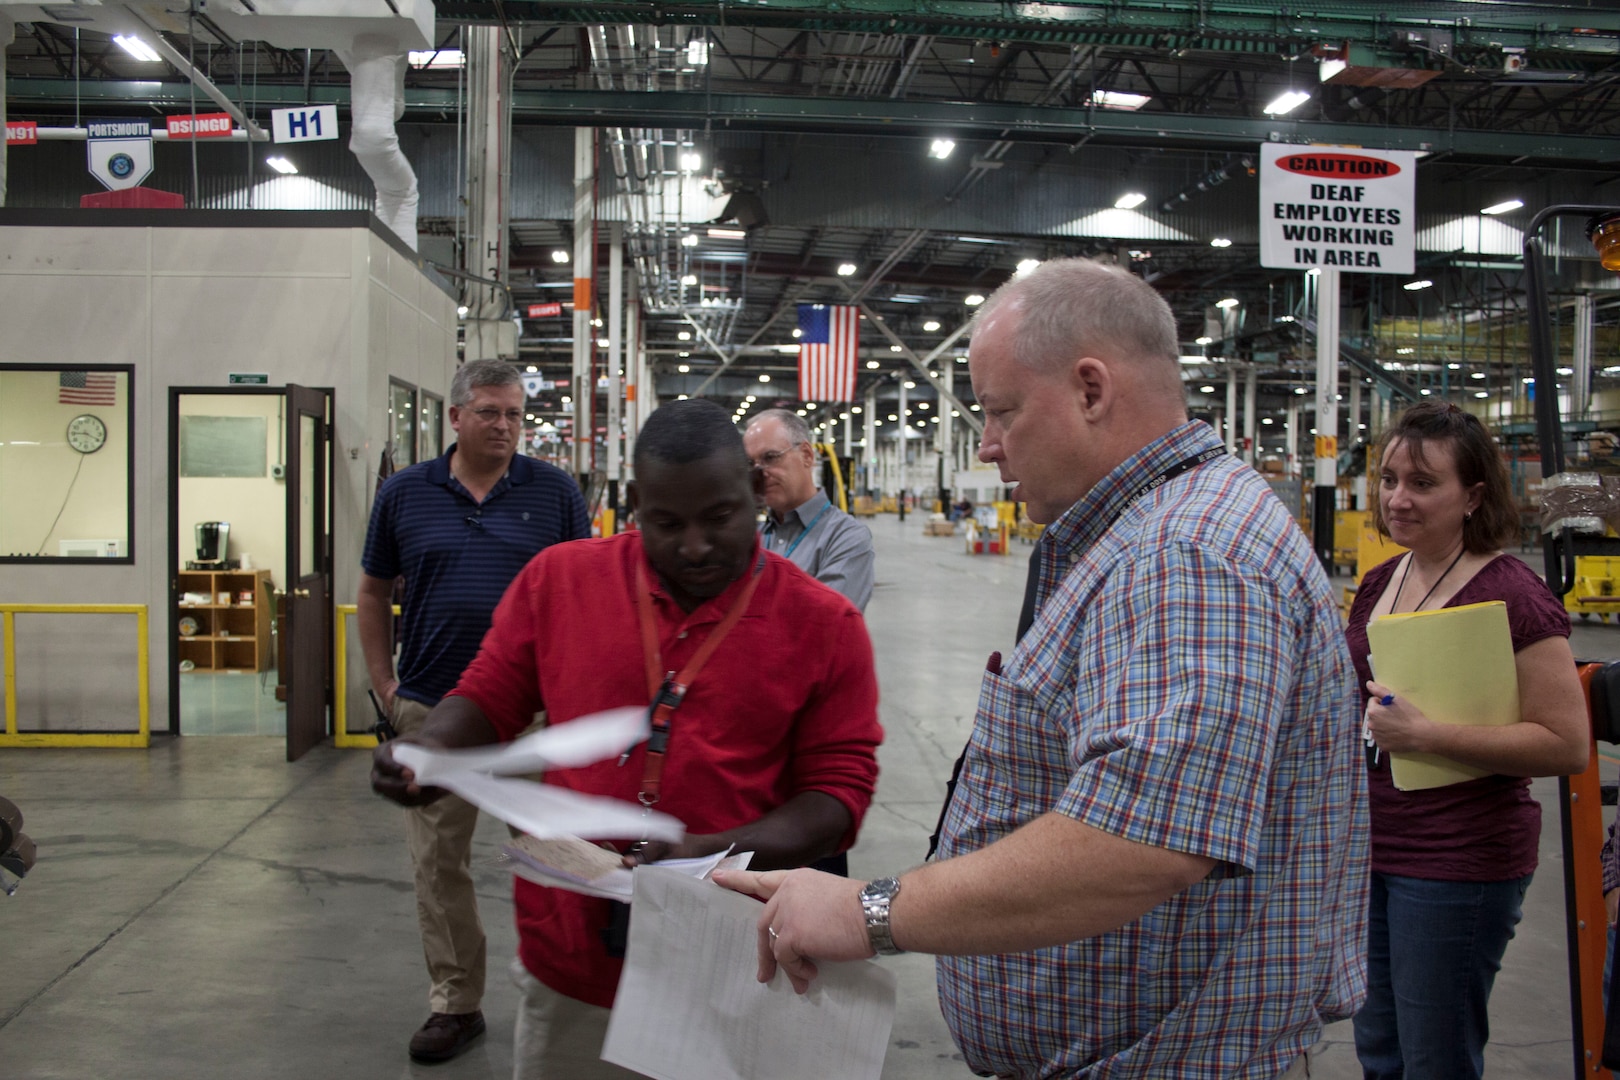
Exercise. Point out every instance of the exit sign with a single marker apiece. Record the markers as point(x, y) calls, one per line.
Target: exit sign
point(249, 378)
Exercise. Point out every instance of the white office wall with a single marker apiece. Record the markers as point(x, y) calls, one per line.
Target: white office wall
point(187, 305)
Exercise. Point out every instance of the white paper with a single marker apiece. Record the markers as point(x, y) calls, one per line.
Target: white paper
point(580, 742)
point(546, 811)
point(541, 809)
point(689, 1008)
point(619, 884)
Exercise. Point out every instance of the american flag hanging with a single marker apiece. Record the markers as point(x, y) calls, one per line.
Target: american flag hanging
point(87, 388)
point(829, 341)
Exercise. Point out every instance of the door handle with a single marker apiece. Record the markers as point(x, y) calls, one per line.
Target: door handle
point(301, 592)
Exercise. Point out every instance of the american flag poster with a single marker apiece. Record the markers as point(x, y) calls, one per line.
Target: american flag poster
point(87, 388)
point(829, 341)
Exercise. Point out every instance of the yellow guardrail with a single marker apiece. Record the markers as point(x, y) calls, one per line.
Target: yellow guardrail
point(143, 687)
point(341, 736)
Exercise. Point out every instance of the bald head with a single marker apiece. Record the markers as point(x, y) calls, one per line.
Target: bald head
point(1073, 307)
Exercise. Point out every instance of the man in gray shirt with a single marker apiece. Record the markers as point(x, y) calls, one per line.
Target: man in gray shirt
point(802, 525)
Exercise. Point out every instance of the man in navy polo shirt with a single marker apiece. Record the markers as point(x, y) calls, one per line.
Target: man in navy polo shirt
point(457, 529)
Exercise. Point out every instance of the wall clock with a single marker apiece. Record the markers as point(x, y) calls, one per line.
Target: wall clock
point(86, 433)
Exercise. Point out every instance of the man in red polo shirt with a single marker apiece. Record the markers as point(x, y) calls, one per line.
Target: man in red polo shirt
point(772, 749)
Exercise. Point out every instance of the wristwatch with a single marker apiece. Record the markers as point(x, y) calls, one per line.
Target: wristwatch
point(875, 900)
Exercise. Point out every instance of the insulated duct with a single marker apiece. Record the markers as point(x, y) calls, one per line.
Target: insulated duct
point(377, 101)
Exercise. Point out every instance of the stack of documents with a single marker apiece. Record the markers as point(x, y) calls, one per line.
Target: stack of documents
point(583, 867)
point(1456, 665)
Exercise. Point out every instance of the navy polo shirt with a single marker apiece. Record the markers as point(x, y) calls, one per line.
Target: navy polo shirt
point(457, 556)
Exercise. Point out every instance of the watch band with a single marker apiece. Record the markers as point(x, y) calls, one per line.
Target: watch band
point(875, 900)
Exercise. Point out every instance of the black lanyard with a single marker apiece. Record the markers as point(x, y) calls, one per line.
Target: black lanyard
point(1027, 616)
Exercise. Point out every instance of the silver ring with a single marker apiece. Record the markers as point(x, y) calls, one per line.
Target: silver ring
point(771, 930)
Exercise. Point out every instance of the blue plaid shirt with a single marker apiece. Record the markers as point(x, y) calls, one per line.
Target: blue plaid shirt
point(1185, 685)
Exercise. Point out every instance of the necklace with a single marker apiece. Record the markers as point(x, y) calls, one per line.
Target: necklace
point(1407, 569)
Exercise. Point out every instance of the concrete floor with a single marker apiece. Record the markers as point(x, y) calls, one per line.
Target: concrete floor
point(203, 909)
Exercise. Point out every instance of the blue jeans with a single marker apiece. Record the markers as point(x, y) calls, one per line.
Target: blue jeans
point(1433, 951)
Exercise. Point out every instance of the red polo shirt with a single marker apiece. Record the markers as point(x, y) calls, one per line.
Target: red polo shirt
point(787, 704)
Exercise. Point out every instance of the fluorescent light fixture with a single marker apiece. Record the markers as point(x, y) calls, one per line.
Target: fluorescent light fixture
point(601, 343)
point(1195, 361)
point(684, 335)
point(1130, 201)
point(973, 300)
point(1405, 350)
point(689, 279)
point(1300, 390)
point(787, 348)
point(559, 255)
point(1206, 340)
point(683, 368)
point(1415, 286)
point(689, 240)
point(729, 234)
point(1119, 99)
point(750, 399)
point(137, 48)
point(697, 51)
point(1481, 374)
point(1287, 103)
point(1425, 391)
point(1503, 207)
point(976, 240)
point(1566, 371)
point(1286, 318)
point(1206, 389)
point(691, 161)
point(894, 348)
point(461, 312)
point(941, 148)
point(910, 385)
point(871, 365)
point(282, 166)
point(1528, 380)
point(1227, 304)
point(797, 332)
point(973, 407)
point(1454, 366)
point(1481, 393)
point(1220, 241)
point(1026, 266)
point(764, 378)
point(531, 369)
point(931, 326)
point(680, 397)
point(436, 58)
point(1313, 272)
point(846, 269)
point(1267, 420)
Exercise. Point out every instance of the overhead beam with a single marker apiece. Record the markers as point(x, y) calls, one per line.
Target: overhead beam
point(762, 112)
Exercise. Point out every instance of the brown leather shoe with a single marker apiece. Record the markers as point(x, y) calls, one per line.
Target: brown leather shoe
point(445, 1035)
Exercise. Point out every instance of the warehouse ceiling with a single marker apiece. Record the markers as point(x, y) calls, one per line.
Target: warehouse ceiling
point(813, 124)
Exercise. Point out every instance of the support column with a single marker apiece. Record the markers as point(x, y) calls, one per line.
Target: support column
point(638, 389)
point(615, 363)
point(944, 439)
point(1353, 436)
point(869, 437)
point(1231, 409)
point(1291, 444)
point(489, 331)
point(7, 30)
point(584, 380)
point(1251, 422)
point(905, 436)
point(1580, 384)
point(1327, 413)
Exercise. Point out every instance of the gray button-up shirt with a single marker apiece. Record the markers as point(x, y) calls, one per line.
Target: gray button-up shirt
point(825, 543)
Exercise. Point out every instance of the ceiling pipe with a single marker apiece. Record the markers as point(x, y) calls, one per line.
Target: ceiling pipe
point(376, 102)
point(1212, 179)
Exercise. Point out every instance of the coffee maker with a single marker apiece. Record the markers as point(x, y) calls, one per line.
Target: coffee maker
point(213, 545)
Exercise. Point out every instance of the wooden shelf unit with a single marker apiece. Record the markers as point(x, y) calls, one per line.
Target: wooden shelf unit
point(229, 637)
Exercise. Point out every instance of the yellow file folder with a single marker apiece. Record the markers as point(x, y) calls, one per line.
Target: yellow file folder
point(1455, 664)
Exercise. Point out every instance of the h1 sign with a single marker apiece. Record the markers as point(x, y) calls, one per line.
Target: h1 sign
point(305, 124)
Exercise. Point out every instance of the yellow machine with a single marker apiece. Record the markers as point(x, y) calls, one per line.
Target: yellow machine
point(838, 493)
point(1597, 587)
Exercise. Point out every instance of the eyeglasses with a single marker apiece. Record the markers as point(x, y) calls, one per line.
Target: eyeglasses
point(495, 416)
point(772, 458)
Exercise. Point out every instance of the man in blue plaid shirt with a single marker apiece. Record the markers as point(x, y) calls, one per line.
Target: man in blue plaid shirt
point(1154, 864)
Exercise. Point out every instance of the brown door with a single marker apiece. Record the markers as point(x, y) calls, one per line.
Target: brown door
point(308, 648)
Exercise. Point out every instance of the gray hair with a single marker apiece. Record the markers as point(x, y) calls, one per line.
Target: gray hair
point(1072, 306)
point(476, 373)
point(797, 430)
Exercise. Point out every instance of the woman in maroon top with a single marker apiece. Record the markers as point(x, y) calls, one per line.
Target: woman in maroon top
point(1451, 864)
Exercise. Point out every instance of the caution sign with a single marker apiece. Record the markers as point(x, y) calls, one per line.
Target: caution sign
point(1337, 206)
point(119, 152)
point(1327, 446)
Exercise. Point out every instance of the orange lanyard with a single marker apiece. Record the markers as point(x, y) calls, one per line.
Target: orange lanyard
point(669, 690)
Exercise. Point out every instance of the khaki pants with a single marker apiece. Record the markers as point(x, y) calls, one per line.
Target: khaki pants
point(440, 839)
point(557, 1037)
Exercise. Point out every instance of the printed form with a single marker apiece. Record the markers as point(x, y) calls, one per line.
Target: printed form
point(690, 1008)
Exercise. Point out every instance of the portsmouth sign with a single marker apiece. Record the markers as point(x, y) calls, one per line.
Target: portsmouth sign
point(120, 152)
point(1337, 206)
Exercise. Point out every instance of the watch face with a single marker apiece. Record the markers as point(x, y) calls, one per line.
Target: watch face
point(86, 433)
